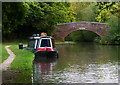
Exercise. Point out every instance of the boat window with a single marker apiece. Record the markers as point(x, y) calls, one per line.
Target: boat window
point(31, 43)
point(45, 43)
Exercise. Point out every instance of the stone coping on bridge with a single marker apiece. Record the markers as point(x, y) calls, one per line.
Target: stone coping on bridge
point(82, 22)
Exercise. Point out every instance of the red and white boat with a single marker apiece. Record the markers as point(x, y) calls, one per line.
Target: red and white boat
point(43, 45)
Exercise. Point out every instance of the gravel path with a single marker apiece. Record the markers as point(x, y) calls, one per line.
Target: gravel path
point(6, 64)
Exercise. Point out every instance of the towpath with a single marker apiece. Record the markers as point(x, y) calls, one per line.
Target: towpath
point(6, 64)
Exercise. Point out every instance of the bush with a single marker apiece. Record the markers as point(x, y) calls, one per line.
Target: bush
point(114, 39)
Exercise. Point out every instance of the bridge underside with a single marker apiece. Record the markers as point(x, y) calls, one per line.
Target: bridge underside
point(63, 30)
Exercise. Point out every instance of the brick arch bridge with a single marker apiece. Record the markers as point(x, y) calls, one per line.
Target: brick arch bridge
point(63, 30)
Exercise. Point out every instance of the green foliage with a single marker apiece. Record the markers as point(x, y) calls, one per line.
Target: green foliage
point(103, 41)
point(108, 12)
point(45, 15)
point(97, 39)
point(105, 12)
point(111, 39)
point(34, 17)
point(22, 19)
point(114, 24)
point(82, 36)
point(77, 36)
point(114, 39)
point(105, 9)
point(12, 15)
point(85, 11)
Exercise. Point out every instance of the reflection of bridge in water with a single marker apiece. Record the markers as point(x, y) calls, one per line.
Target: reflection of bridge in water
point(63, 30)
point(43, 68)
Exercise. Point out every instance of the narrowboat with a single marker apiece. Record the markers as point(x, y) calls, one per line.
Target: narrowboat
point(42, 45)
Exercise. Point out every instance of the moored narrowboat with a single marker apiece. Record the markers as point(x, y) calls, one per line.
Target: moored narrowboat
point(42, 46)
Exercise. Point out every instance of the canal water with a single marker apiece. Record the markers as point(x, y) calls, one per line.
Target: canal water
point(80, 63)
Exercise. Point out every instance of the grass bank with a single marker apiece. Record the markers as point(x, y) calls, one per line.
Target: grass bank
point(23, 63)
point(3, 54)
point(21, 67)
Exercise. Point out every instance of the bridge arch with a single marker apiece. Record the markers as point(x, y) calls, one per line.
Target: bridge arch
point(101, 29)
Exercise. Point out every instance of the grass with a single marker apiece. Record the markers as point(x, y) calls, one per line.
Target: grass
point(22, 65)
point(3, 54)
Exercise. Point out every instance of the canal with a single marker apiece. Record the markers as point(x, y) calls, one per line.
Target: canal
point(80, 63)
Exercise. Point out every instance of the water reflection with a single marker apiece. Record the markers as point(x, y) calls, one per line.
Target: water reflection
point(91, 73)
point(82, 63)
point(43, 69)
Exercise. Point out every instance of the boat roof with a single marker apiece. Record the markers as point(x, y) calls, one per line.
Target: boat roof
point(39, 37)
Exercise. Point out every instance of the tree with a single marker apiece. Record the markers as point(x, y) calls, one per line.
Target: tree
point(105, 10)
point(85, 11)
point(26, 18)
point(12, 15)
point(108, 12)
point(43, 16)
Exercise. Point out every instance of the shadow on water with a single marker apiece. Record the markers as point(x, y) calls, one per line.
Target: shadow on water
point(42, 69)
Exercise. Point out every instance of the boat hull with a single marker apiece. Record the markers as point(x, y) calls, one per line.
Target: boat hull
point(46, 54)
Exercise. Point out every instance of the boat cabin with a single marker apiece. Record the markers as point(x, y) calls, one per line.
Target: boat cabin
point(37, 41)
